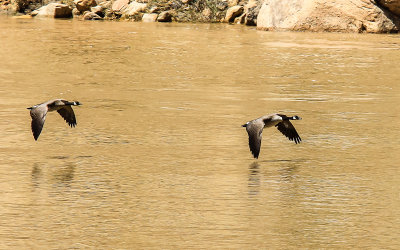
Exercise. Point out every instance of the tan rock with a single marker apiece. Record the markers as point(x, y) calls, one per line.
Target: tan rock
point(206, 12)
point(54, 10)
point(134, 8)
point(149, 18)
point(91, 16)
point(233, 12)
point(221, 5)
point(251, 10)
point(154, 9)
point(392, 5)
point(251, 4)
point(324, 15)
point(75, 12)
point(232, 3)
point(84, 5)
point(98, 10)
point(106, 5)
point(240, 19)
point(164, 16)
point(119, 5)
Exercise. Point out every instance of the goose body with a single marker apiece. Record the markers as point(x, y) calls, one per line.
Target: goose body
point(38, 113)
point(255, 128)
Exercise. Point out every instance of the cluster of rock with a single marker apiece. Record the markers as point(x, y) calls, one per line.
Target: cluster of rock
point(373, 16)
point(233, 11)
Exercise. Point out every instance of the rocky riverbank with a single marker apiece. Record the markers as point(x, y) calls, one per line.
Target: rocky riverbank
point(234, 11)
point(370, 16)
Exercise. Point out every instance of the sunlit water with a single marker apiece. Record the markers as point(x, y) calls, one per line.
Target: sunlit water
point(159, 159)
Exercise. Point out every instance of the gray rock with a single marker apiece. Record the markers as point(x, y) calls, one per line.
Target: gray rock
point(164, 16)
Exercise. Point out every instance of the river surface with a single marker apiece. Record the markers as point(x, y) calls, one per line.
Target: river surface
point(159, 159)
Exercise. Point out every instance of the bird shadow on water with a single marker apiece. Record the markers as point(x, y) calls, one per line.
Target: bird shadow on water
point(54, 174)
point(36, 175)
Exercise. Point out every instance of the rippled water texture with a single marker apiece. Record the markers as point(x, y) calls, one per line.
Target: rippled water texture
point(159, 159)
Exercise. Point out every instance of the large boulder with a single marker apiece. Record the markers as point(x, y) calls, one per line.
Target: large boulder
point(55, 10)
point(325, 15)
point(392, 5)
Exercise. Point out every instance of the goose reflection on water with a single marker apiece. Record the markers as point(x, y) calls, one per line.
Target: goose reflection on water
point(284, 172)
point(57, 175)
point(254, 179)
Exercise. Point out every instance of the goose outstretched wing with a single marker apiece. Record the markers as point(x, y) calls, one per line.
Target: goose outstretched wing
point(288, 130)
point(68, 114)
point(38, 115)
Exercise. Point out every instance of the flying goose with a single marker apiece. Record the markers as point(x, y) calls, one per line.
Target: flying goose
point(39, 112)
point(255, 127)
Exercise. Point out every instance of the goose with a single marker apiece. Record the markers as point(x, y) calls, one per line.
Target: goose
point(38, 113)
point(255, 127)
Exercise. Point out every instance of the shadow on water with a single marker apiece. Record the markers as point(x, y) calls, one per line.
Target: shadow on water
point(36, 174)
point(63, 174)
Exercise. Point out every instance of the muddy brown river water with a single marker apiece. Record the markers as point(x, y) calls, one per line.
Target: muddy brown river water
point(159, 160)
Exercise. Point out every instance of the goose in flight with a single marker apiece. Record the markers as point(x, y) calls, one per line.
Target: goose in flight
point(255, 127)
point(39, 112)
